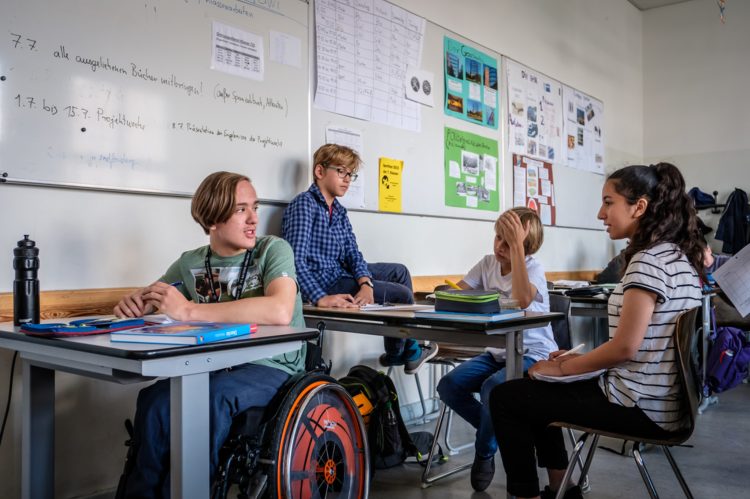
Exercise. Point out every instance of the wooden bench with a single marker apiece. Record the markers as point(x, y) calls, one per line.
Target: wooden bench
point(82, 302)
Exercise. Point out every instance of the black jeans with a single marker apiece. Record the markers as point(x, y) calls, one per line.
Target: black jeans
point(392, 284)
point(522, 410)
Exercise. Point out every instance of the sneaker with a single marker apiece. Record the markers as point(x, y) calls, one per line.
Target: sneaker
point(386, 360)
point(428, 352)
point(482, 472)
point(571, 493)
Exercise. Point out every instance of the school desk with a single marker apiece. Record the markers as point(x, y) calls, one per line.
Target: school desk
point(97, 357)
point(504, 333)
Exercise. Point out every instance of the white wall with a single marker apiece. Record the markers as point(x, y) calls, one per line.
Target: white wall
point(90, 239)
point(697, 113)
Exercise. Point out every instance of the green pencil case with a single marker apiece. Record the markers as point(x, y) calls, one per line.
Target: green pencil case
point(468, 301)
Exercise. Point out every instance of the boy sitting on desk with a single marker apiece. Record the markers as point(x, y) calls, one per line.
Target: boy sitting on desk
point(331, 269)
point(516, 274)
point(245, 278)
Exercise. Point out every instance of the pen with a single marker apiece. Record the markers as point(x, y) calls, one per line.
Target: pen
point(452, 284)
point(176, 283)
point(572, 350)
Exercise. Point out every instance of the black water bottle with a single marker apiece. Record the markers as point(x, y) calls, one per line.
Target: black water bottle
point(26, 284)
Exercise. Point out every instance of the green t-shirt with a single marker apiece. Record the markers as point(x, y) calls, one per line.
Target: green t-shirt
point(271, 258)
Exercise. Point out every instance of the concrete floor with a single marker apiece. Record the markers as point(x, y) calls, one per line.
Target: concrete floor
point(717, 465)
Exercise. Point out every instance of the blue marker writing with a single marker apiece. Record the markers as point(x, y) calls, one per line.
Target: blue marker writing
point(176, 283)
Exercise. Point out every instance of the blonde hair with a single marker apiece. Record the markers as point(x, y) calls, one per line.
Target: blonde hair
point(534, 240)
point(330, 154)
point(214, 200)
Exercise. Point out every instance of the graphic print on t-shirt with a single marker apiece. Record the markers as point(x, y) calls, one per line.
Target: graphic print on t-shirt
point(226, 280)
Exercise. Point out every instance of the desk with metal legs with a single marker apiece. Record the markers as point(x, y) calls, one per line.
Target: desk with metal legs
point(97, 357)
point(506, 333)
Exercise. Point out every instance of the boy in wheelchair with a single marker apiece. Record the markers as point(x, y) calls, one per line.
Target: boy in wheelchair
point(251, 279)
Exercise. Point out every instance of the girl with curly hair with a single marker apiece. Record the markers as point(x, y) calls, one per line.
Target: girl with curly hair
point(637, 390)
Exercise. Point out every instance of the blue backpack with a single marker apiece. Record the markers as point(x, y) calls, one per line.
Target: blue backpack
point(728, 359)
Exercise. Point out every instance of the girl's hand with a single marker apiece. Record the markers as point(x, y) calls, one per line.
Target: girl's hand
point(548, 367)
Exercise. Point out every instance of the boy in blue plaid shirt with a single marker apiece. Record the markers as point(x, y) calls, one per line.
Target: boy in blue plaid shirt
point(330, 268)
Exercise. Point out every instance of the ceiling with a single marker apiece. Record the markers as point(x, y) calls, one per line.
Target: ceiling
point(653, 4)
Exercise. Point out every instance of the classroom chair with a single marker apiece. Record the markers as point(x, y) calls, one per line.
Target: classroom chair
point(684, 339)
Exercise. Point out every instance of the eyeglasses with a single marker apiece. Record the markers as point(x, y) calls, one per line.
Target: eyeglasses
point(343, 172)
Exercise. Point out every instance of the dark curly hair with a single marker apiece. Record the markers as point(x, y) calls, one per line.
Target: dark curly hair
point(670, 215)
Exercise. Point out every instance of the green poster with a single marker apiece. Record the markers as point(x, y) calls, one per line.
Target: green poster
point(471, 171)
point(471, 84)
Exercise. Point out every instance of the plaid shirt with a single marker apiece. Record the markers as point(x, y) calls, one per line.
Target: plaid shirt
point(325, 248)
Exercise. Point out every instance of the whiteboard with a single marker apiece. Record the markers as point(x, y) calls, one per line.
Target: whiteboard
point(121, 94)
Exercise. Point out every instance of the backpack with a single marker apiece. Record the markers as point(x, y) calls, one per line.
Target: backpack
point(389, 441)
point(728, 359)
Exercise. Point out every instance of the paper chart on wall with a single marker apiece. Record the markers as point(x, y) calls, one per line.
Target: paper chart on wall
point(363, 51)
point(584, 130)
point(535, 121)
point(534, 187)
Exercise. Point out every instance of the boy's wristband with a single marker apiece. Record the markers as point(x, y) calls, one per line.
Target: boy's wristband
point(367, 283)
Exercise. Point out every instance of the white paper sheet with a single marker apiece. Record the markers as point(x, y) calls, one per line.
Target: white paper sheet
point(420, 86)
point(349, 137)
point(237, 52)
point(285, 49)
point(734, 280)
point(519, 186)
point(453, 169)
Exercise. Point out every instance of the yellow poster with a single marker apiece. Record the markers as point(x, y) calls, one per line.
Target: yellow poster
point(389, 192)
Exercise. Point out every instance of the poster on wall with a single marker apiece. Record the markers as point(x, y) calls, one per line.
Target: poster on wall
point(363, 50)
point(471, 171)
point(535, 121)
point(534, 187)
point(389, 191)
point(471, 85)
point(584, 132)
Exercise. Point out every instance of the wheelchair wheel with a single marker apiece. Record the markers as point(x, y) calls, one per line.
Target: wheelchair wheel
point(319, 445)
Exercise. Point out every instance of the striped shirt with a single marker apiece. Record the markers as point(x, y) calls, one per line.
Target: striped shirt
point(649, 380)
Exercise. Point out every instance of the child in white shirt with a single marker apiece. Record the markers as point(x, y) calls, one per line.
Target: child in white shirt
point(516, 274)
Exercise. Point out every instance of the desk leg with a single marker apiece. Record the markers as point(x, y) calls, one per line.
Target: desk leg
point(38, 432)
point(190, 437)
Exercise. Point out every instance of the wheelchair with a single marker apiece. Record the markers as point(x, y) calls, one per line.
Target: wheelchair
point(309, 443)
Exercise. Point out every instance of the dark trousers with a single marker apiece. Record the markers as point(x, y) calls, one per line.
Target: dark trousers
point(522, 409)
point(392, 283)
point(231, 392)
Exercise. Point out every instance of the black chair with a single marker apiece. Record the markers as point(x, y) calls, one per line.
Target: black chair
point(684, 339)
point(561, 327)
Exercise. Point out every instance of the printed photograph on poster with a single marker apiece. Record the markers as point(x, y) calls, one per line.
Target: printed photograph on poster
point(471, 176)
point(471, 84)
point(535, 113)
point(533, 187)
